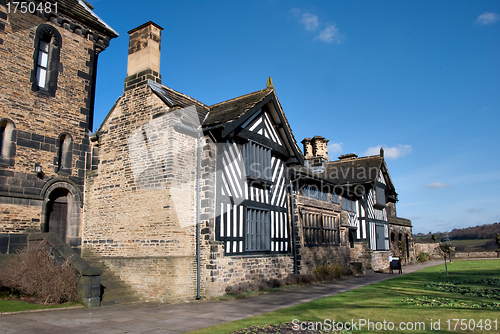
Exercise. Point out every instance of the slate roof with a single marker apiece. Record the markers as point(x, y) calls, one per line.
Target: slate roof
point(82, 11)
point(354, 171)
point(229, 110)
point(173, 98)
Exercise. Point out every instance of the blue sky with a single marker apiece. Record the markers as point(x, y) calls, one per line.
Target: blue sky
point(420, 78)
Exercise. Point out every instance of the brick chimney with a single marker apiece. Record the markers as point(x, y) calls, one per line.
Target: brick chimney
point(143, 55)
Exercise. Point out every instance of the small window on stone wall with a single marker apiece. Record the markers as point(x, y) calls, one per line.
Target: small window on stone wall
point(46, 60)
point(64, 155)
point(7, 146)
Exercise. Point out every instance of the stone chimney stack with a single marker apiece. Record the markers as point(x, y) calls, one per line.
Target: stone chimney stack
point(320, 147)
point(143, 55)
point(308, 149)
point(317, 147)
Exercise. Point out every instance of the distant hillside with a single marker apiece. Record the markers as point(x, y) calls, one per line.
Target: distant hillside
point(481, 237)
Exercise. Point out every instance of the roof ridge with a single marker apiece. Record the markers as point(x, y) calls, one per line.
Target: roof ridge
point(242, 96)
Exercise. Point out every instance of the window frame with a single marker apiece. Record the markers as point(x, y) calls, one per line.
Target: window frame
point(348, 205)
point(50, 35)
point(316, 232)
point(255, 153)
point(379, 194)
point(264, 237)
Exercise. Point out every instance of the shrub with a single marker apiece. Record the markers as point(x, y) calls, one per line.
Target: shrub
point(329, 272)
point(31, 272)
point(423, 257)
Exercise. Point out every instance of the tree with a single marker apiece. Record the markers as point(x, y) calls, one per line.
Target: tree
point(446, 250)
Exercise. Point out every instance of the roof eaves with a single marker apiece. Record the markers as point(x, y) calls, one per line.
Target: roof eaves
point(84, 5)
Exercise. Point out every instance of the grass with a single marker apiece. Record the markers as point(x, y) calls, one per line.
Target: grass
point(385, 301)
point(17, 305)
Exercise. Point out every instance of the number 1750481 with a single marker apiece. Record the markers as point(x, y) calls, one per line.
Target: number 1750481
point(29, 7)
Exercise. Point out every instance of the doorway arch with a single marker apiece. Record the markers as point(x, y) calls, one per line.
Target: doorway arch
point(61, 211)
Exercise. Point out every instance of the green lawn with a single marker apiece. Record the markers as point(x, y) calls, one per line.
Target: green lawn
point(406, 299)
point(16, 305)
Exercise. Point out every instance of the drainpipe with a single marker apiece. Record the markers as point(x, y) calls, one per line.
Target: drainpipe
point(198, 209)
point(295, 269)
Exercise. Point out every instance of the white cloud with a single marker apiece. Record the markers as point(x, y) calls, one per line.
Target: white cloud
point(334, 148)
point(487, 18)
point(474, 210)
point(390, 152)
point(310, 21)
point(437, 185)
point(330, 34)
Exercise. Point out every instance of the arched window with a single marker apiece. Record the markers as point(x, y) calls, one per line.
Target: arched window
point(46, 59)
point(7, 146)
point(64, 154)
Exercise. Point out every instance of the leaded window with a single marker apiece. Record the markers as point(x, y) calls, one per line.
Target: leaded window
point(258, 236)
point(257, 161)
point(379, 198)
point(319, 229)
point(314, 192)
point(348, 205)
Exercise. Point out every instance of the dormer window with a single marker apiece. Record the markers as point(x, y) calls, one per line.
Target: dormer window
point(46, 60)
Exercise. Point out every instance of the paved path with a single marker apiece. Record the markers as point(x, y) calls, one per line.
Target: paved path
point(167, 318)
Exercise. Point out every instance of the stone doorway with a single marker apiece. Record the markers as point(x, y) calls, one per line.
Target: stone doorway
point(57, 213)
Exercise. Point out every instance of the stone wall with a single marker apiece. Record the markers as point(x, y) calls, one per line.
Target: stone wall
point(405, 233)
point(37, 119)
point(169, 279)
point(140, 213)
point(430, 248)
point(380, 260)
point(464, 255)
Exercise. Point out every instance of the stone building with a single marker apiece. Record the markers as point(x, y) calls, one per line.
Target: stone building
point(48, 69)
point(360, 194)
point(173, 198)
point(184, 199)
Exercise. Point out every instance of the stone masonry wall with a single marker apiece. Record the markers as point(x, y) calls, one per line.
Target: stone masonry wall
point(38, 119)
point(141, 220)
point(408, 256)
point(380, 260)
point(429, 248)
point(311, 257)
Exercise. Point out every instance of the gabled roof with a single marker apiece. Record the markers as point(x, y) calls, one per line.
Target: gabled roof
point(231, 114)
point(229, 110)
